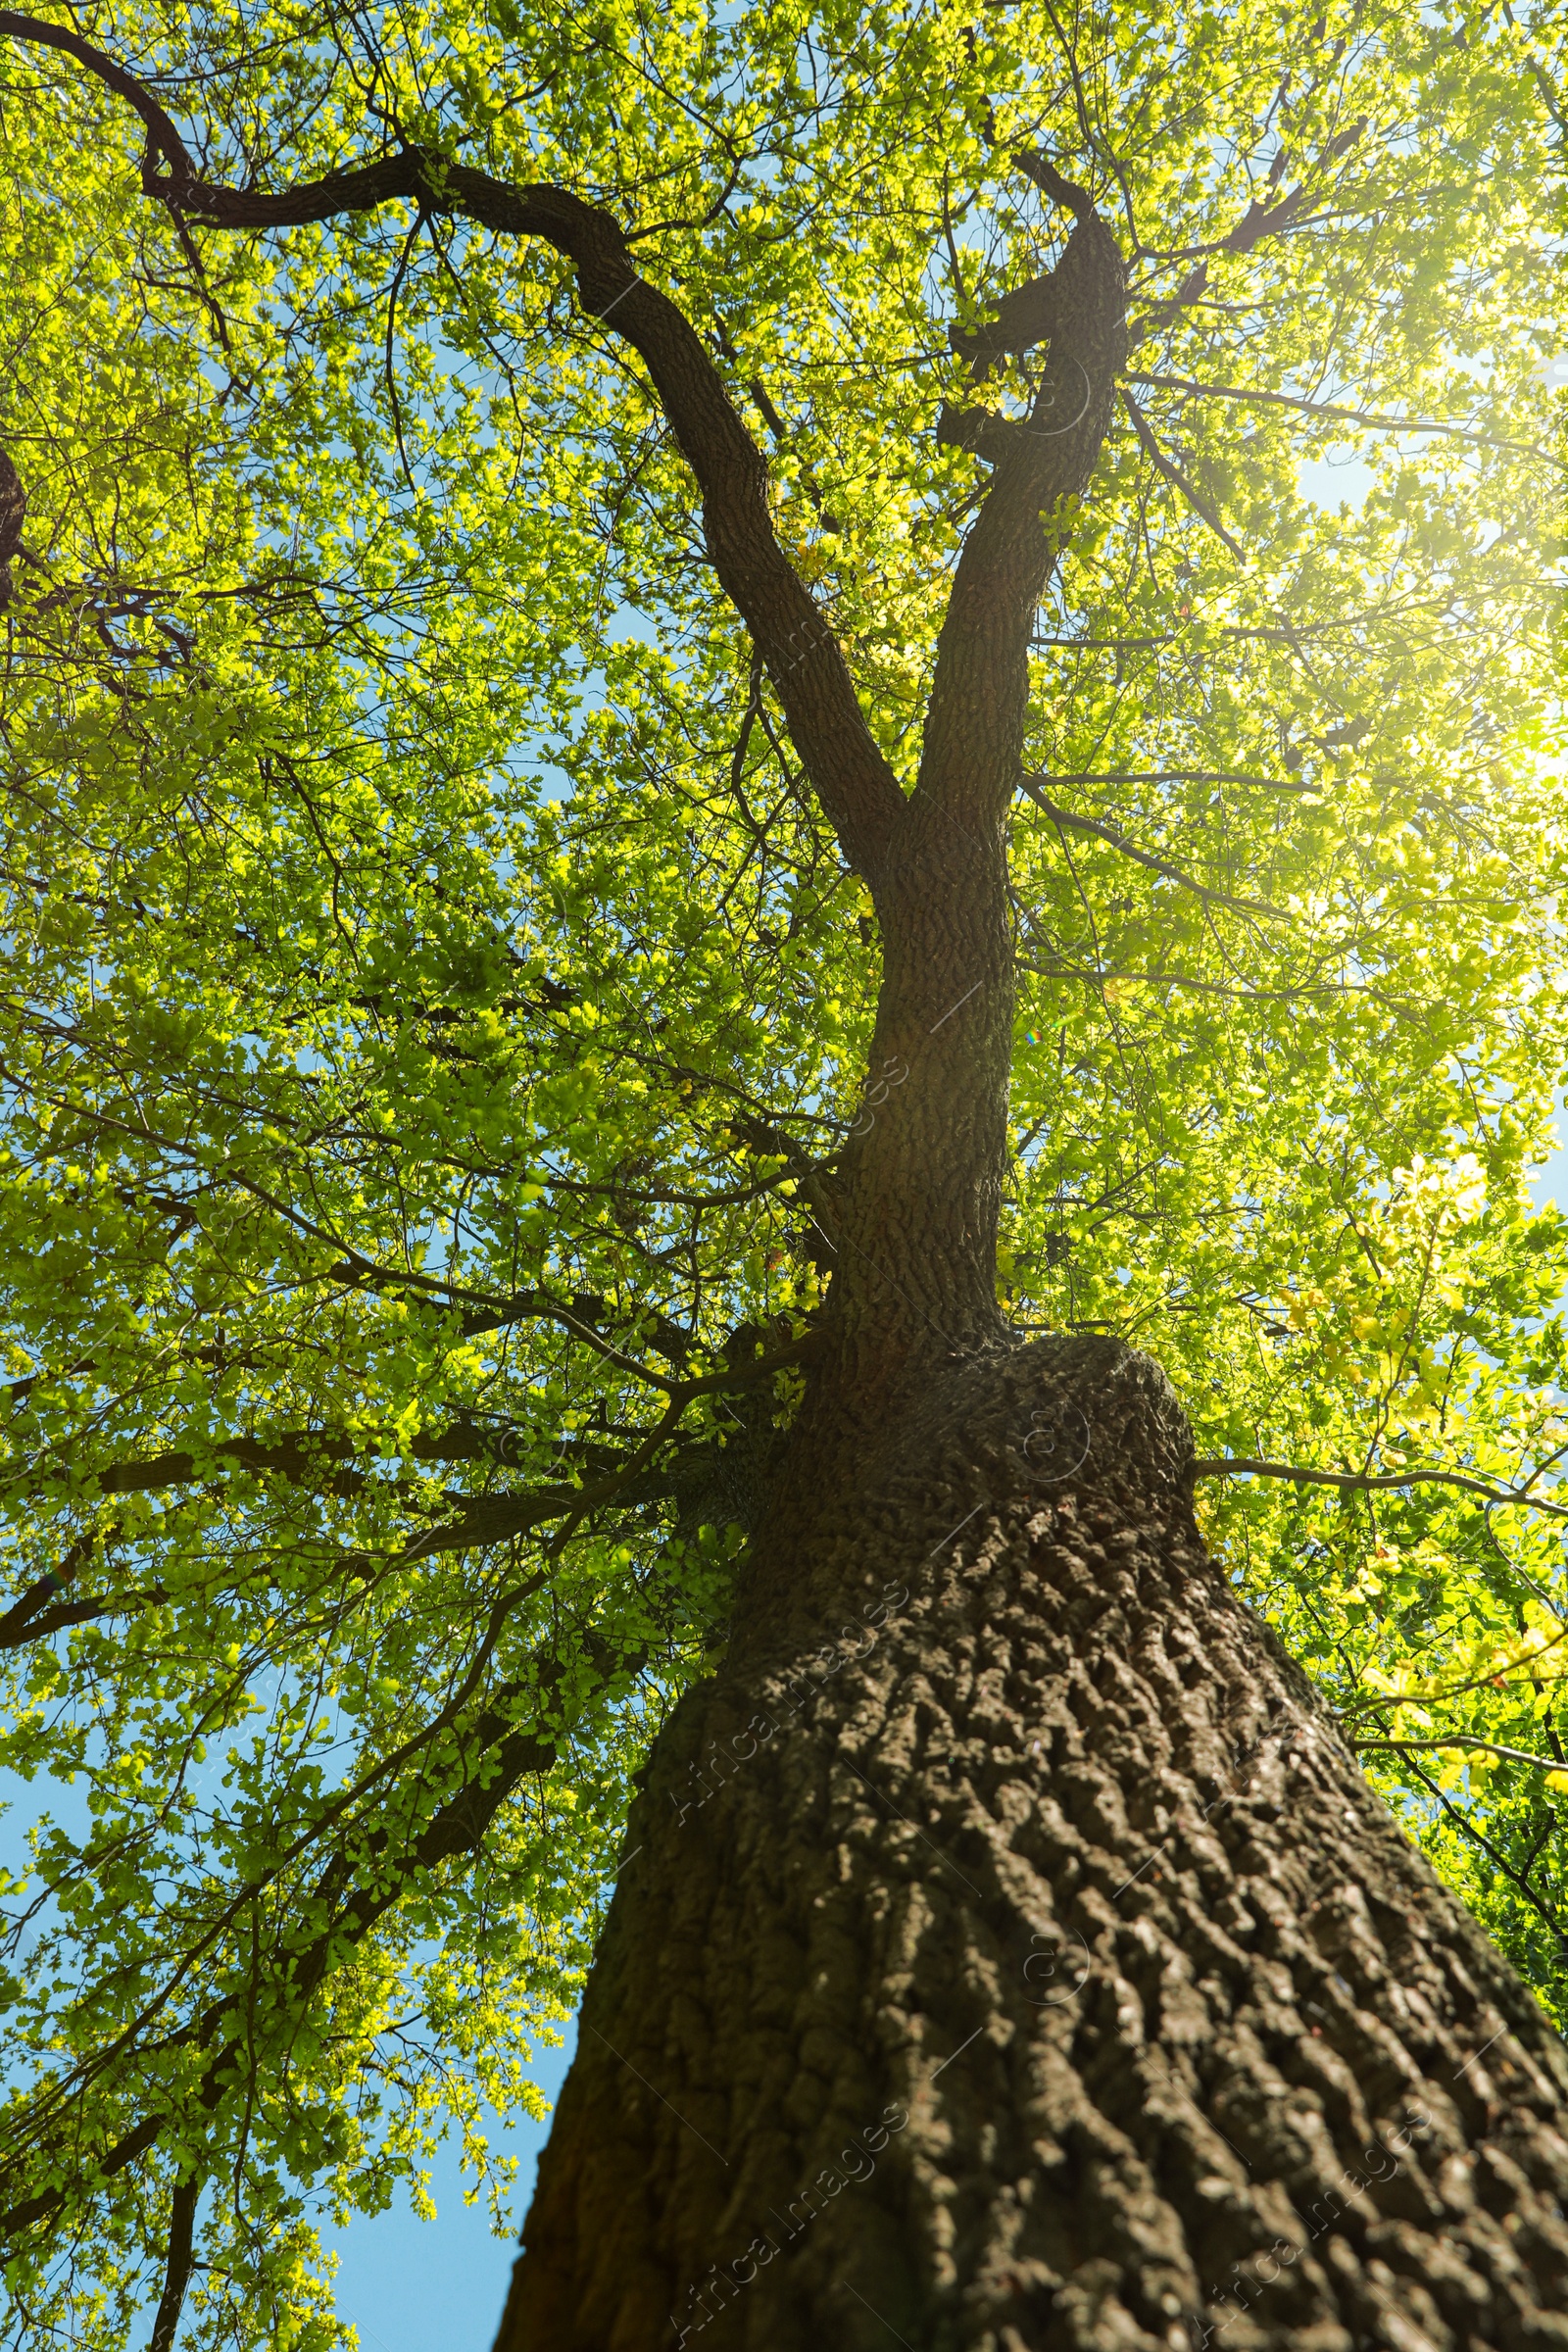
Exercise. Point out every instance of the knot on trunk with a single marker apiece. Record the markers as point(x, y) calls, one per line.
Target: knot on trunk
point(1065, 1414)
point(1079, 1429)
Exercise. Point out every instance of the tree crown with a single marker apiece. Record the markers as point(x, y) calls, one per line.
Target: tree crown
point(578, 580)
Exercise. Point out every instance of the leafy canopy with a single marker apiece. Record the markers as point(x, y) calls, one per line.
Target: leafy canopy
point(431, 981)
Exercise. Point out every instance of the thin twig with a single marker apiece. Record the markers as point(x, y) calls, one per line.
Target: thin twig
point(1514, 1755)
point(1360, 1482)
point(1372, 421)
point(1175, 476)
point(419, 218)
point(1033, 786)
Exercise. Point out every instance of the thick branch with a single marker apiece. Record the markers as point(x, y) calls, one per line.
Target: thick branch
point(162, 136)
point(1261, 221)
point(177, 2274)
point(979, 694)
point(12, 513)
point(31, 1621)
point(311, 1458)
point(1055, 184)
point(857, 789)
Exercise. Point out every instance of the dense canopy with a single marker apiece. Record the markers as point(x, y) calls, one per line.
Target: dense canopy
point(435, 986)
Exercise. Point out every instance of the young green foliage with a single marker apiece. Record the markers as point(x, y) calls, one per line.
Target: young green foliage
point(433, 983)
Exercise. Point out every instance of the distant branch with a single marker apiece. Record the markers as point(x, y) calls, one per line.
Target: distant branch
point(1093, 977)
point(1372, 420)
point(1173, 474)
point(1363, 1482)
point(1033, 786)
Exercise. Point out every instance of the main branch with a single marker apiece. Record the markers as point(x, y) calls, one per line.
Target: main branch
point(918, 1233)
point(857, 789)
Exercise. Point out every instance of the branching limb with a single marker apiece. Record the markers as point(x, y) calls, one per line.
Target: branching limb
point(306, 1457)
point(177, 2268)
point(1055, 184)
point(16, 1626)
point(1260, 221)
point(18, 1629)
point(163, 138)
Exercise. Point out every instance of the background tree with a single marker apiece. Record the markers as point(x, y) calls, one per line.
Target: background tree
point(695, 815)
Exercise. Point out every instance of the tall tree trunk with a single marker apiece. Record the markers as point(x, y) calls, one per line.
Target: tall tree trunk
point(1009, 1953)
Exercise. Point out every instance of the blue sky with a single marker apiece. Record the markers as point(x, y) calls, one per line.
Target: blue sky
point(438, 2286)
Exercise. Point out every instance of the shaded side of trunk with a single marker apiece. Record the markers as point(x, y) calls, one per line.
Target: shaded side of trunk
point(1025, 1962)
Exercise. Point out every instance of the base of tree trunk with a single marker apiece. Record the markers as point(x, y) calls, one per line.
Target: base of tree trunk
point(1016, 1957)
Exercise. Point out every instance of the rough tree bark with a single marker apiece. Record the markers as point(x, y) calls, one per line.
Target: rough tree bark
point(1008, 1951)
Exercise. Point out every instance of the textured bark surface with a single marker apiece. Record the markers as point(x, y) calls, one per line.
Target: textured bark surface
point(1009, 1954)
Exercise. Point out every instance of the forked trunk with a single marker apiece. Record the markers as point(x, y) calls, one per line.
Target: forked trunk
point(1008, 1953)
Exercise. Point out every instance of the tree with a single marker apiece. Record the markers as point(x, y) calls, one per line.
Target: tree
point(695, 814)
